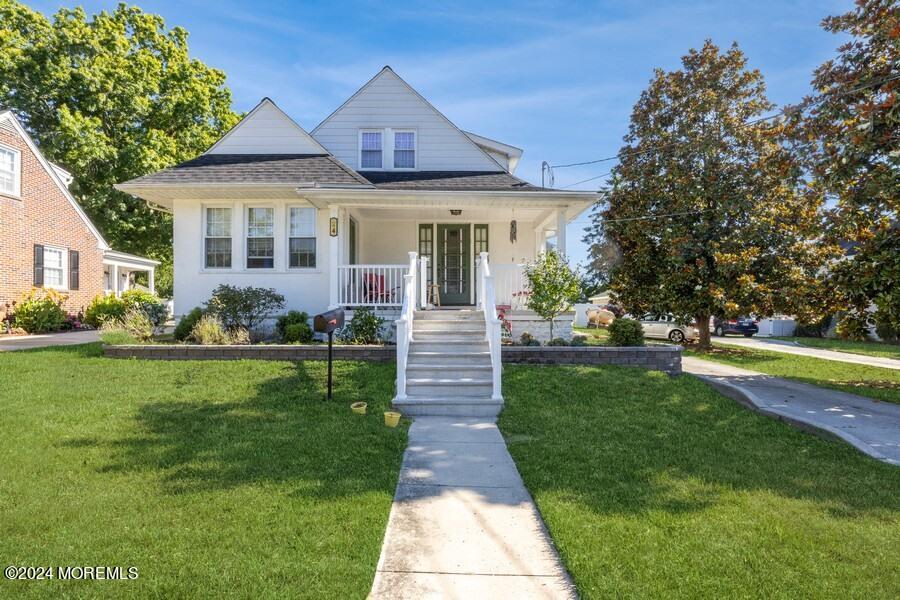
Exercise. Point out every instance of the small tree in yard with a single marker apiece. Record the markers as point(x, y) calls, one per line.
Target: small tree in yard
point(553, 286)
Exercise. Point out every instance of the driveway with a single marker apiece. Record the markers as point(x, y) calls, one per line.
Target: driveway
point(70, 338)
point(870, 426)
point(793, 348)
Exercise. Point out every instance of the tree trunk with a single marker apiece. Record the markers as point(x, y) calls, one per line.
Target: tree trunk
point(551, 329)
point(703, 328)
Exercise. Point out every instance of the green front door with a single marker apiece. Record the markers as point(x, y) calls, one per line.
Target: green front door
point(454, 264)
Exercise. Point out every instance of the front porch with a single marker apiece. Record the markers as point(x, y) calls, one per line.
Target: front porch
point(369, 248)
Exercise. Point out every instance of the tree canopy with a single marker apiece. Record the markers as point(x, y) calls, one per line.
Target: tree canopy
point(111, 97)
point(706, 203)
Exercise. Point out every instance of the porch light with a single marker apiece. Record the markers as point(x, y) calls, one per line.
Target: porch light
point(455, 212)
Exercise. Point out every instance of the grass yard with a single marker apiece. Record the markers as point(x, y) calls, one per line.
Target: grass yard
point(596, 336)
point(659, 487)
point(874, 382)
point(879, 349)
point(212, 478)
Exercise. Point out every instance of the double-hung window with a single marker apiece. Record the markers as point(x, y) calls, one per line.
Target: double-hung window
point(10, 179)
point(302, 237)
point(218, 238)
point(370, 149)
point(54, 267)
point(404, 149)
point(260, 237)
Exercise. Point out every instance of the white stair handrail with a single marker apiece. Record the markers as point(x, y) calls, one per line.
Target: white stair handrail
point(405, 324)
point(488, 304)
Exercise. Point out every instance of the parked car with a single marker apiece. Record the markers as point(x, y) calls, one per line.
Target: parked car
point(745, 326)
point(665, 327)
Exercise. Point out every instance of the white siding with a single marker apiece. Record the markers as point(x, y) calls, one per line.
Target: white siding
point(388, 102)
point(267, 130)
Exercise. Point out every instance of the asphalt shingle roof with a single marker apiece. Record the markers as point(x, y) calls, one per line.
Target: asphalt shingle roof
point(488, 181)
point(257, 168)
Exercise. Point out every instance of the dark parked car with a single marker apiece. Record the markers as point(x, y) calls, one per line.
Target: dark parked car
point(745, 326)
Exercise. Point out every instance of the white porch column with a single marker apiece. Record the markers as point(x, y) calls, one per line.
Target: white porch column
point(540, 241)
point(561, 231)
point(151, 280)
point(115, 280)
point(333, 257)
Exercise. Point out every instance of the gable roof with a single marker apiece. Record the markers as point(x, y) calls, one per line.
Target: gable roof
point(54, 174)
point(278, 132)
point(387, 71)
point(512, 153)
point(294, 169)
point(462, 181)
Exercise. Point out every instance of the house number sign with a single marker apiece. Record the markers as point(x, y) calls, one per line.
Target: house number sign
point(332, 226)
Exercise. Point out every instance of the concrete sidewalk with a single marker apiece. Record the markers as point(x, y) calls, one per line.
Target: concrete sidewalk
point(871, 426)
point(462, 524)
point(787, 347)
point(44, 340)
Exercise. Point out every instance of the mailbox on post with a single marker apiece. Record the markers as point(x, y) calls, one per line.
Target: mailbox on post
point(328, 322)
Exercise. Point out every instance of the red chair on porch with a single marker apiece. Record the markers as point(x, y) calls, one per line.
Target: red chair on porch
point(374, 290)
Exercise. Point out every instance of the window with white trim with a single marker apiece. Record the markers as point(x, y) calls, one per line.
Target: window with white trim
point(10, 168)
point(260, 237)
point(370, 145)
point(217, 246)
point(301, 237)
point(54, 267)
point(404, 149)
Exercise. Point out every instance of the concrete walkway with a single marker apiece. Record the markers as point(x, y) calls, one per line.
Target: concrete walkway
point(794, 348)
point(870, 426)
point(70, 338)
point(462, 524)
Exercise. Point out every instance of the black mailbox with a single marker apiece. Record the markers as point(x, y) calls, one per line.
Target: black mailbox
point(328, 321)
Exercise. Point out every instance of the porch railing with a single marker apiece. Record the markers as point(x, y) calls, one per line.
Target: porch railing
point(510, 285)
point(371, 285)
point(487, 303)
point(405, 323)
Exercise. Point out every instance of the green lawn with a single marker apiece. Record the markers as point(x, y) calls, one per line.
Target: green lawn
point(212, 478)
point(658, 487)
point(596, 336)
point(874, 382)
point(879, 349)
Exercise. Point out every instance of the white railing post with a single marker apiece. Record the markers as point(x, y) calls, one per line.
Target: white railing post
point(423, 282)
point(492, 325)
point(405, 324)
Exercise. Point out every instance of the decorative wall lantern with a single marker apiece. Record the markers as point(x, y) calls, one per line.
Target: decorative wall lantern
point(333, 226)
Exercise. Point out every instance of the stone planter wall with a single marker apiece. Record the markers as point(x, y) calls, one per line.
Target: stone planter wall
point(659, 358)
point(521, 321)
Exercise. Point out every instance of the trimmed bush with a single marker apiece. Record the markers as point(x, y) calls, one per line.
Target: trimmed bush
point(40, 310)
point(104, 308)
point(294, 317)
point(297, 333)
point(626, 332)
point(244, 307)
point(526, 339)
point(558, 342)
point(186, 324)
point(363, 328)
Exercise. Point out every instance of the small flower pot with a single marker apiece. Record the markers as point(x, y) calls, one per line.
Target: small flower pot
point(391, 418)
point(359, 407)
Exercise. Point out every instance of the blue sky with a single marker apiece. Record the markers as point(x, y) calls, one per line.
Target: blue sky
point(557, 79)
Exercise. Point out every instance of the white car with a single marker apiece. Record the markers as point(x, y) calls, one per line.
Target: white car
point(665, 327)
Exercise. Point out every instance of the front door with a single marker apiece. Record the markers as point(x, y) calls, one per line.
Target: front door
point(454, 263)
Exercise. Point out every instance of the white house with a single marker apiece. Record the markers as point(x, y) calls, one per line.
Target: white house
point(384, 188)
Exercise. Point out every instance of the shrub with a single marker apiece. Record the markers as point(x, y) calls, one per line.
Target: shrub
point(209, 332)
point(886, 331)
point(297, 333)
point(363, 328)
point(558, 342)
point(138, 324)
point(294, 317)
point(853, 327)
point(243, 306)
point(579, 340)
point(526, 339)
point(816, 329)
point(104, 308)
point(553, 286)
point(239, 337)
point(149, 303)
point(186, 324)
point(626, 332)
point(113, 334)
point(40, 310)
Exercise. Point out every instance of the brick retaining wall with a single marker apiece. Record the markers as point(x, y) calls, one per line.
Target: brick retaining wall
point(658, 358)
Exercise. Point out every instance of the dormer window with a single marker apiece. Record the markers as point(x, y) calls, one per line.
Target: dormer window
point(404, 149)
point(370, 149)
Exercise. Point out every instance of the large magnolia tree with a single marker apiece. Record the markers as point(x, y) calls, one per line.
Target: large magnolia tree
point(111, 97)
point(705, 205)
point(851, 131)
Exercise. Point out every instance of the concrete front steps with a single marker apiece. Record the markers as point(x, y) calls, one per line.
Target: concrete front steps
point(448, 370)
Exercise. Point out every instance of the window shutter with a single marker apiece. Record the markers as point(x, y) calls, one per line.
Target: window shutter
point(73, 269)
point(38, 265)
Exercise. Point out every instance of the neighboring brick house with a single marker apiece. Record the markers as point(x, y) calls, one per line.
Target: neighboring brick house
point(46, 239)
